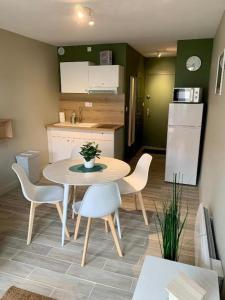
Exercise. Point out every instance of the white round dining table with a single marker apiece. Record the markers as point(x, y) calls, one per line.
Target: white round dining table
point(59, 172)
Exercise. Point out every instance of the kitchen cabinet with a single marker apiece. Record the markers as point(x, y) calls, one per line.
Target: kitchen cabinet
point(61, 142)
point(74, 77)
point(83, 77)
point(108, 78)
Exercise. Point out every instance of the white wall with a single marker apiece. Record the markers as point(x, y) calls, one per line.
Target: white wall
point(212, 183)
point(28, 95)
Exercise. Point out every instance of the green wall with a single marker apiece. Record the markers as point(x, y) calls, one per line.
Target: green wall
point(79, 53)
point(159, 83)
point(200, 78)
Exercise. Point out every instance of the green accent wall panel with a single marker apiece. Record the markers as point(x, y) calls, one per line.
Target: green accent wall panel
point(200, 78)
point(80, 53)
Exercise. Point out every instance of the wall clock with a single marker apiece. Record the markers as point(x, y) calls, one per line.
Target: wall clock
point(61, 51)
point(193, 63)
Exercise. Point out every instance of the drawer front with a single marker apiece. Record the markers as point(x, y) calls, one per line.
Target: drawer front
point(97, 136)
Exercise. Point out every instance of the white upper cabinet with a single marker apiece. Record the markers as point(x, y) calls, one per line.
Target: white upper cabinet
point(83, 77)
point(74, 77)
point(106, 79)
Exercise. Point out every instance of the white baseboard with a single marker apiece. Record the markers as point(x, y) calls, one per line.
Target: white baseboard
point(12, 185)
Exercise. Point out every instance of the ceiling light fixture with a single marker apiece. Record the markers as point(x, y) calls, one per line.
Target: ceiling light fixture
point(91, 22)
point(84, 15)
point(80, 14)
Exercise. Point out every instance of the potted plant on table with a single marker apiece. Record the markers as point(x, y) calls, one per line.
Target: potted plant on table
point(89, 151)
point(171, 223)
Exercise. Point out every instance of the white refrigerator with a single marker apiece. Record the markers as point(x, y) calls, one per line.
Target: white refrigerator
point(183, 141)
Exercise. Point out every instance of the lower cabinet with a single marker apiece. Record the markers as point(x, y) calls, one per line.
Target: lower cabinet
point(62, 142)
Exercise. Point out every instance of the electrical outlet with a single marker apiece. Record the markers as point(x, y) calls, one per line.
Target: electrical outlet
point(89, 49)
point(88, 104)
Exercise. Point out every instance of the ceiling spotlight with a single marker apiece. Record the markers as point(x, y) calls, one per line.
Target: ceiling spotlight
point(91, 22)
point(80, 14)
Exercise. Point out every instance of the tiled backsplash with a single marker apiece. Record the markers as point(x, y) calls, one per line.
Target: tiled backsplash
point(107, 109)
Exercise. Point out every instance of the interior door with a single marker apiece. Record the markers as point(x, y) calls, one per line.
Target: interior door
point(159, 90)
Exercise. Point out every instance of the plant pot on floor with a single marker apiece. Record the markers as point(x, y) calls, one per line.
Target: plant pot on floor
point(89, 164)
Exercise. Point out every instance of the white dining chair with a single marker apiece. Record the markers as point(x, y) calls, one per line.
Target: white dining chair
point(136, 182)
point(37, 195)
point(100, 201)
point(74, 154)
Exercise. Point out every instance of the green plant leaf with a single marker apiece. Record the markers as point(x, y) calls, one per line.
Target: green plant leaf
point(170, 224)
point(90, 151)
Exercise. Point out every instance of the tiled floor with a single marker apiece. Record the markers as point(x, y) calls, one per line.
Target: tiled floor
point(47, 268)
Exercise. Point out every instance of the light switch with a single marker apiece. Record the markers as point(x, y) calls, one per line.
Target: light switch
point(88, 104)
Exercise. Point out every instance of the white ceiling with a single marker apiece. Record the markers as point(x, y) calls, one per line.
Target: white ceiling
point(147, 25)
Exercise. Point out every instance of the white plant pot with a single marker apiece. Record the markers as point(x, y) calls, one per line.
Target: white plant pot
point(89, 164)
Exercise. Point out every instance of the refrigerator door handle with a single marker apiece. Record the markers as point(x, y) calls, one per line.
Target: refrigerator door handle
point(183, 126)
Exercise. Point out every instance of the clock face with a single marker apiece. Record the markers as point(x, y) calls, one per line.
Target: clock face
point(61, 51)
point(193, 63)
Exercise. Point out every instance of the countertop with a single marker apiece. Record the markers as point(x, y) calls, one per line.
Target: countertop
point(79, 126)
point(157, 273)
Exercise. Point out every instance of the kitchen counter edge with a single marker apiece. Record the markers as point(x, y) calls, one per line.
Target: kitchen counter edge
point(116, 127)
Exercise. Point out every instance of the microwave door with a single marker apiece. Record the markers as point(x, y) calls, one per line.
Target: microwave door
point(175, 95)
point(182, 95)
point(179, 95)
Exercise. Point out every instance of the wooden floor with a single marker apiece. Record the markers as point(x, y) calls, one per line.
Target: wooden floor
point(47, 268)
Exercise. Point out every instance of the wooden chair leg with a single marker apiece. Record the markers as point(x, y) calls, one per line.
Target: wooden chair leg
point(31, 222)
point(86, 242)
point(115, 238)
point(61, 218)
point(76, 229)
point(106, 227)
point(139, 195)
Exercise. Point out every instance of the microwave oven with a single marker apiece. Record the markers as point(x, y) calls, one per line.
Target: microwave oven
point(190, 94)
